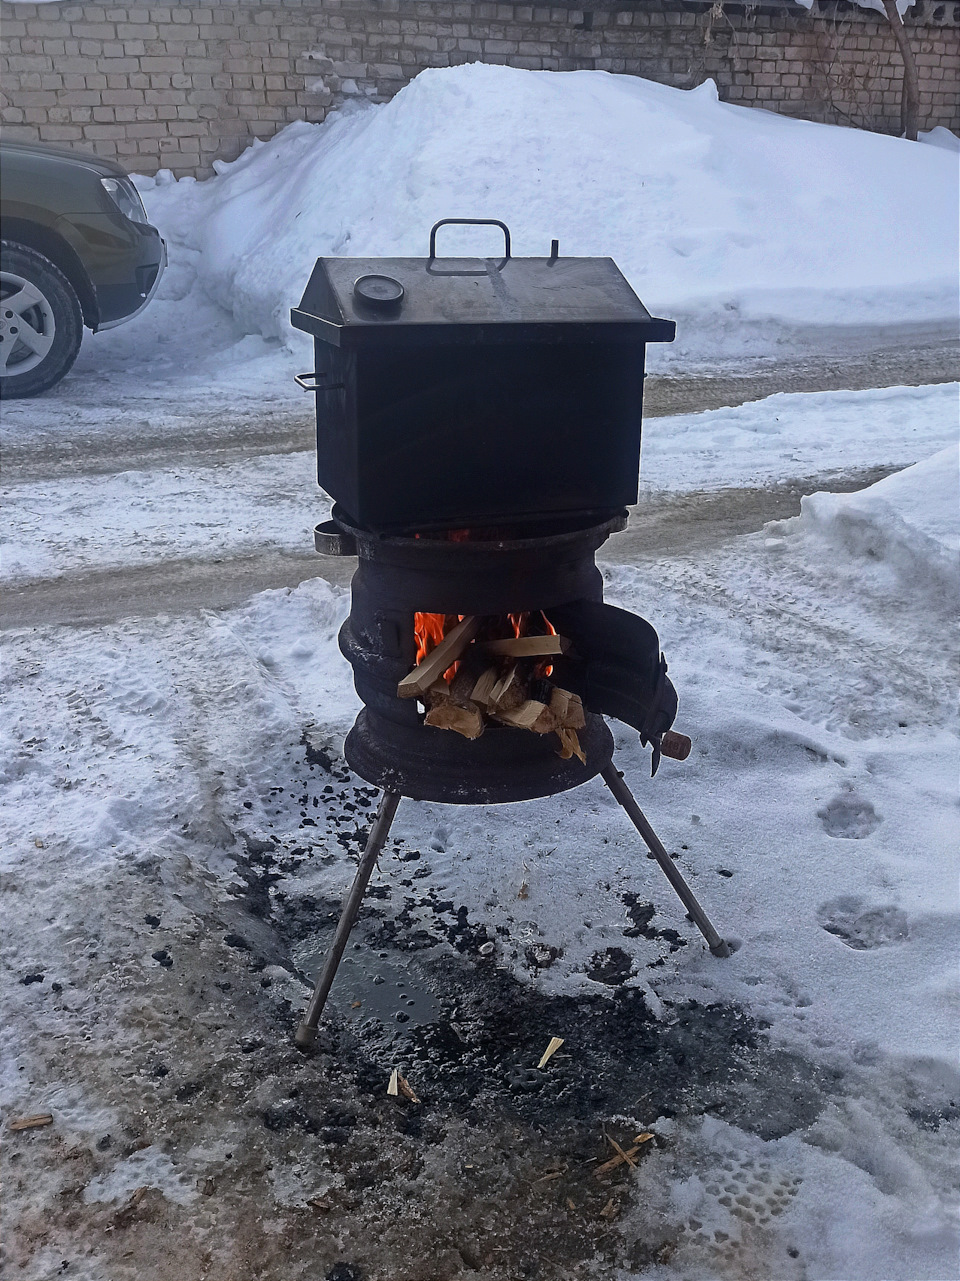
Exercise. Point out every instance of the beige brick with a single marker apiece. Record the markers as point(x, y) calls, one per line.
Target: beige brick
point(106, 131)
point(61, 133)
point(143, 130)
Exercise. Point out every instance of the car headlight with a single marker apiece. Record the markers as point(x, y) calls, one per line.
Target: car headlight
point(126, 197)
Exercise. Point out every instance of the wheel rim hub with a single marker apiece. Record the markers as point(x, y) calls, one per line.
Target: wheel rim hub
point(27, 325)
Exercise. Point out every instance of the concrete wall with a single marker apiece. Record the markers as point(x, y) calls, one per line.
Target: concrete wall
point(178, 85)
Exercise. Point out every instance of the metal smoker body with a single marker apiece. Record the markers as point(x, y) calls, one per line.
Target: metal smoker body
point(430, 373)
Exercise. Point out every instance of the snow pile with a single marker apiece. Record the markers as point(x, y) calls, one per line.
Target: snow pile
point(797, 434)
point(909, 522)
point(744, 225)
point(941, 137)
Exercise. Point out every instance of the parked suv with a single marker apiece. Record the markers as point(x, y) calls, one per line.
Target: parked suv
point(75, 249)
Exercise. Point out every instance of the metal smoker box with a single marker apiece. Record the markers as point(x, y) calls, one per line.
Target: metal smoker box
point(462, 392)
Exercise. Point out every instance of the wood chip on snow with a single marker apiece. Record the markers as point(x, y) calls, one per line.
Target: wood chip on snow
point(550, 1051)
point(406, 1089)
point(31, 1122)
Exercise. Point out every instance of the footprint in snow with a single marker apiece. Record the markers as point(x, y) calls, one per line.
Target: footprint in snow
point(863, 929)
point(849, 817)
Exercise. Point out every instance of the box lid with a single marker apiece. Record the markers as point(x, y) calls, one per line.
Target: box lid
point(353, 302)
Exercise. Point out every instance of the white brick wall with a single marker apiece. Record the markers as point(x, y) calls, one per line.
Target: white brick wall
point(180, 85)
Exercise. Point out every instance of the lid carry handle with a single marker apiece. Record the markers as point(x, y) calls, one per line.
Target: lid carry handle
point(470, 222)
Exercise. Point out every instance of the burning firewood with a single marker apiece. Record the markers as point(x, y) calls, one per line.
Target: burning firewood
point(567, 708)
point(527, 646)
point(483, 688)
point(416, 683)
point(446, 714)
point(507, 693)
point(531, 714)
point(445, 710)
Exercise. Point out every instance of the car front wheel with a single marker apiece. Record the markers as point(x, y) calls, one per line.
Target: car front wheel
point(41, 324)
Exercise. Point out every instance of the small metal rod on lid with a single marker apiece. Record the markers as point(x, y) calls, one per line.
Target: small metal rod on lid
point(307, 1031)
point(614, 780)
point(554, 252)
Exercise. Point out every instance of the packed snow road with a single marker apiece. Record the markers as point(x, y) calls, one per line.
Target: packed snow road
point(179, 826)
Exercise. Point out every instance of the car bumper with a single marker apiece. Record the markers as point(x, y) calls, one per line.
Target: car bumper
point(123, 260)
point(141, 294)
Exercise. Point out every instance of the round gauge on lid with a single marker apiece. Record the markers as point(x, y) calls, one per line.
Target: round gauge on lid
point(378, 291)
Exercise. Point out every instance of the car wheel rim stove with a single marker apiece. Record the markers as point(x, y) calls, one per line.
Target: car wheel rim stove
point(446, 535)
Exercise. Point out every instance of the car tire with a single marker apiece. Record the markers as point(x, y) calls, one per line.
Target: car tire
point(41, 324)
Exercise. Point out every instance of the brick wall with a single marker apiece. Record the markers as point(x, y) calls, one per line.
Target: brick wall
point(181, 84)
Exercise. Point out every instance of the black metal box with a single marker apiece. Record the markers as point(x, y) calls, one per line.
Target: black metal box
point(460, 392)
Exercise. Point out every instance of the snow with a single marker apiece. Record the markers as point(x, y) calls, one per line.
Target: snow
point(60, 526)
point(940, 137)
point(138, 517)
point(816, 818)
point(823, 779)
point(877, 5)
point(797, 434)
point(749, 228)
point(906, 524)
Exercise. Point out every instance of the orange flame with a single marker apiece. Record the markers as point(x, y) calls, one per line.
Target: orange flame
point(430, 629)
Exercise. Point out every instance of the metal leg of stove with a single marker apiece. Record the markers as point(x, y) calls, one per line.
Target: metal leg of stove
point(614, 780)
point(307, 1031)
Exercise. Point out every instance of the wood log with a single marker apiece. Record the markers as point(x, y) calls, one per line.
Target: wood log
point(471, 667)
point(567, 708)
point(507, 693)
point(443, 656)
point(447, 714)
point(484, 685)
point(531, 715)
point(527, 646)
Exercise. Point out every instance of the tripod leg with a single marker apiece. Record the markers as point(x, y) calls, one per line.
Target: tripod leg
point(307, 1031)
point(614, 780)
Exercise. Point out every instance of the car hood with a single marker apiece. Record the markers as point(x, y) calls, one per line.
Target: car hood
point(40, 151)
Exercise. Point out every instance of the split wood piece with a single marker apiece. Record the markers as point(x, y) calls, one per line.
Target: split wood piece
point(527, 646)
point(448, 707)
point(393, 1088)
point(470, 668)
point(446, 714)
point(550, 1051)
point(484, 686)
point(508, 693)
point(568, 708)
point(31, 1122)
point(417, 682)
point(531, 715)
point(570, 745)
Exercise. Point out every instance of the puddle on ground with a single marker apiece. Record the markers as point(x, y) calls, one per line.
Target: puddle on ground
point(373, 984)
